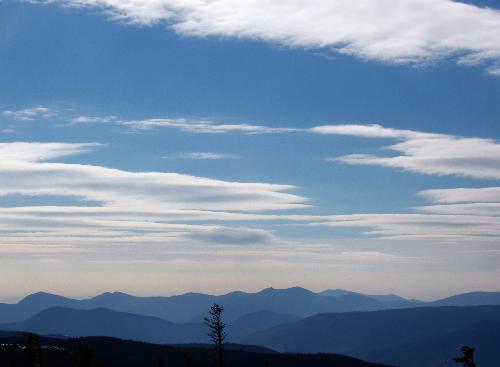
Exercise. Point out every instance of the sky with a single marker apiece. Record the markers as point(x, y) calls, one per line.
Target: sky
point(158, 147)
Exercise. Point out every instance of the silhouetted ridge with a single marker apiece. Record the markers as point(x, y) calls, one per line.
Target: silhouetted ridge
point(112, 352)
point(39, 299)
point(362, 334)
point(470, 299)
point(105, 322)
point(438, 350)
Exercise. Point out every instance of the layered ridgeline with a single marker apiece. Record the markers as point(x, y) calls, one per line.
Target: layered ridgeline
point(423, 336)
point(191, 307)
point(75, 323)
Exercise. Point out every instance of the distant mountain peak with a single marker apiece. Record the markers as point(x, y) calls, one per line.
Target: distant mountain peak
point(41, 297)
point(268, 289)
point(111, 295)
point(294, 290)
point(41, 294)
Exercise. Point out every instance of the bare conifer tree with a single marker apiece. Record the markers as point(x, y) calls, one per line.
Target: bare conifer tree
point(217, 332)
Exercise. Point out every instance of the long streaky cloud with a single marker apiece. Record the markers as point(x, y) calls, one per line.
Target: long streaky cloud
point(38, 152)
point(370, 131)
point(391, 31)
point(485, 209)
point(463, 195)
point(24, 164)
point(187, 125)
point(140, 205)
point(426, 153)
point(114, 206)
point(110, 206)
point(426, 226)
point(204, 156)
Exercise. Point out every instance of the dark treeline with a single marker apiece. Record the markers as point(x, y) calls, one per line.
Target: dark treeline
point(111, 352)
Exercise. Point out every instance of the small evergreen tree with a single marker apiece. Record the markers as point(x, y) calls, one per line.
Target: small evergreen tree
point(217, 332)
point(33, 350)
point(467, 359)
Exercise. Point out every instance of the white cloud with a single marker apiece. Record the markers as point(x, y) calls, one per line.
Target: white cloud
point(158, 207)
point(186, 125)
point(371, 131)
point(454, 216)
point(427, 153)
point(94, 119)
point(374, 256)
point(394, 31)
point(133, 207)
point(429, 227)
point(495, 70)
point(204, 156)
point(24, 165)
point(36, 152)
point(486, 209)
point(469, 201)
point(155, 208)
point(463, 195)
point(30, 114)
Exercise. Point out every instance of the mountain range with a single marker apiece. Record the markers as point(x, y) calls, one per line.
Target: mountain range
point(422, 336)
point(387, 336)
point(386, 329)
point(192, 307)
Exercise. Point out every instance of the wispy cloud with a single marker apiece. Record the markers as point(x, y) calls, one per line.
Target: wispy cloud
point(454, 215)
point(374, 256)
point(427, 153)
point(484, 209)
point(429, 227)
point(370, 131)
point(463, 195)
point(118, 206)
point(186, 125)
point(471, 201)
point(131, 206)
point(24, 152)
point(30, 113)
point(25, 163)
point(203, 156)
point(392, 31)
point(94, 119)
point(146, 213)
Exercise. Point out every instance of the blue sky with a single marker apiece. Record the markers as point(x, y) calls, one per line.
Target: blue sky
point(209, 148)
